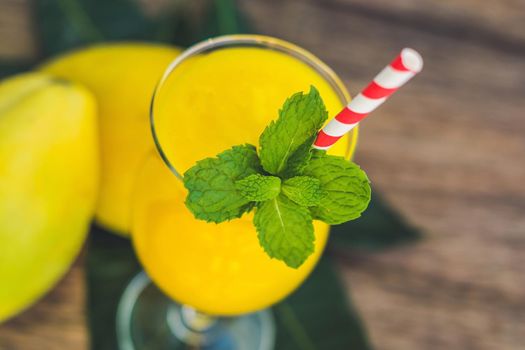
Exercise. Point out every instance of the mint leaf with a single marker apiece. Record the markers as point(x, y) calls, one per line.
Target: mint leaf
point(284, 146)
point(303, 190)
point(285, 230)
point(212, 193)
point(346, 189)
point(258, 187)
point(299, 159)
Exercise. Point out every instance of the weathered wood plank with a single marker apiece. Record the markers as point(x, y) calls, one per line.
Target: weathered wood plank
point(56, 322)
point(407, 310)
point(495, 23)
point(16, 36)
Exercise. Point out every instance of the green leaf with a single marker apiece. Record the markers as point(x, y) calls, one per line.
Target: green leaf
point(303, 190)
point(346, 189)
point(258, 187)
point(285, 143)
point(285, 230)
point(320, 315)
point(65, 24)
point(8, 68)
point(300, 158)
point(212, 193)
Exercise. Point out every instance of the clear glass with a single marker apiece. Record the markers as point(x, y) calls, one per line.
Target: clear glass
point(151, 318)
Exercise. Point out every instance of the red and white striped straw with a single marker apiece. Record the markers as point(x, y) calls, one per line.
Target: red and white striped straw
point(407, 64)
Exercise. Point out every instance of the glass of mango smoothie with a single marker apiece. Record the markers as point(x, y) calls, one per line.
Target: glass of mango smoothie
point(213, 283)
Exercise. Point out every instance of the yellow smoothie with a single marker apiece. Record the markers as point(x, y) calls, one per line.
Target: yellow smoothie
point(209, 103)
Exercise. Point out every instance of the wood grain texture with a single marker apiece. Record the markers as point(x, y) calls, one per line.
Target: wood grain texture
point(497, 23)
point(56, 322)
point(447, 152)
point(16, 32)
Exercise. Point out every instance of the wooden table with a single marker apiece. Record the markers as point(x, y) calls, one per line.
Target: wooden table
point(448, 152)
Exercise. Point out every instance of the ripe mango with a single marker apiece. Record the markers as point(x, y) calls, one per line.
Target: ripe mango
point(122, 78)
point(48, 183)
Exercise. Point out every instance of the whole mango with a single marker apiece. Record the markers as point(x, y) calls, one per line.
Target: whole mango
point(48, 183)
point(122, 78)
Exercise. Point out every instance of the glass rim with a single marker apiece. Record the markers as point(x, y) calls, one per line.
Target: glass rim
point(253, 40)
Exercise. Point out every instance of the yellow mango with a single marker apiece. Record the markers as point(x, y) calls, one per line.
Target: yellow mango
point(48, 183)
point(122, 78)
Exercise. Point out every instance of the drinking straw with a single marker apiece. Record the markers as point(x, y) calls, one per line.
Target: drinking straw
point(404, 67)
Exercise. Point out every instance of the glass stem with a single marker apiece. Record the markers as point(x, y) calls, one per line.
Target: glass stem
point(190, 326)
point(196, 320)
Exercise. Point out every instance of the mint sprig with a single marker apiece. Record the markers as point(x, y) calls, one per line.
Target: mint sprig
point(287, 183)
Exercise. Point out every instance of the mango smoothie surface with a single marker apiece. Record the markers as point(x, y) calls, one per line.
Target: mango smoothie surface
point(209, 103)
